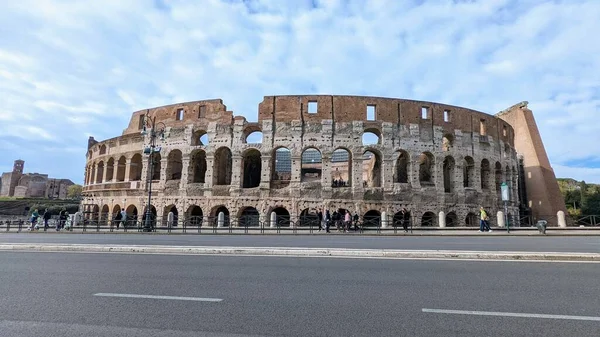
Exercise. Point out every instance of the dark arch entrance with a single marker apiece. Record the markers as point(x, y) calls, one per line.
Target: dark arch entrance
point(152, 216)
point(471, 220)
point(195, 215)
point(282, 216)
point(451, 220)
point(372, 219)
point(216, 216)
point(428, 219)
point(132, 214)
point(249, 217)
point(308, 218)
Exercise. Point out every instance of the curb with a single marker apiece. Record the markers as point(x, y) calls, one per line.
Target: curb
point(306, 252)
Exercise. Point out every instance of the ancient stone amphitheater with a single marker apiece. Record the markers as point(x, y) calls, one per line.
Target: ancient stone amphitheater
point(370, 155)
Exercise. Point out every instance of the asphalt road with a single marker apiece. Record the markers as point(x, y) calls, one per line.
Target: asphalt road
point(51, 294)
point(480, 243)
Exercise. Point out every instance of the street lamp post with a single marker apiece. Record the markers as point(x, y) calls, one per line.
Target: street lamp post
point(156, 130)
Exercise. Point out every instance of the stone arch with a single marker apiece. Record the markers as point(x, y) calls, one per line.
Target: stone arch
point(426, 168)
point(222, 166)
point(197, 169)
point(252, 134)
point(102, 149)
point(153, 215)
point(341, 167)
point(135, 168)
point(308, 218)
point(174, 165)
point(282, 216)
point(449, 165)
point(498, 176)
point(485, 174)
point(311, 168)
point(92, 179)
point(100, 172)
point(200, 138)
point(428, 219)
point(194, 215)
point(214, 213)
point(468, 172)
point(166, 211)
point(372, 218)
point(371, 136)
point(157, 160)
point(249, 217)
point(121, 165)
point(471, 220)
point(451, 219)
point(398, 219)
point(116, 209)
point(132, 213)
point(105, 213)
point(447, 142)
point(251, 168)
point(282, 167)
point(401, 171)
point(95, 213)
point(372, 168)
point(110, 169)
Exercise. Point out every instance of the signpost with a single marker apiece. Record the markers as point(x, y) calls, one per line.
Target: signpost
point(505, 198)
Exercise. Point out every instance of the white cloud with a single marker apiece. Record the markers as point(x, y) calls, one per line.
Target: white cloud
point(69, 69)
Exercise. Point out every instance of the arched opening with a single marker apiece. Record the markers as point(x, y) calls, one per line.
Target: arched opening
point(215, 214)
point(222, 167)
point(102, 149)
point(447, 142)
point(249, 217)
point(200, 138)
point(312, 165)
point(282, 168)
point(498, 177)
point(371, 169)
point(341, 168)
point(135, 168)
point(110, 170)
point(469, 172)
point(471, 220)
point(93, 175)
point(254, 137)
point(372, 218)
point(116, 209)
point(428, 220)
point(449, 174)
point(194, 215)
point(371, 137)
point(398, 219)
point(309, 218)
point(132, 214)
point(174, 165)
point(485, 174)
point(171, 216)
point(105, 214)
point(451, 219)
point(282, 216)
point(252, 168)
point(426, 165)
point(157, 160)
point(99, 172)
point(198, 167)
point(121, 164)
point(152, 216)
point(401, 172)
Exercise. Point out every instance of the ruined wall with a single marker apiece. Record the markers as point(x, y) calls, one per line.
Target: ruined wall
point(211, 177)
point(543, 193)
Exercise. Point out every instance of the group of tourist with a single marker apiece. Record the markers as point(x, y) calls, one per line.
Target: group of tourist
point(345, 221)
point(339, 183)
point(63, 216)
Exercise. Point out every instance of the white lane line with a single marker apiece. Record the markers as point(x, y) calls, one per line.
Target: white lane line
point(155, 297)
point(511, 314)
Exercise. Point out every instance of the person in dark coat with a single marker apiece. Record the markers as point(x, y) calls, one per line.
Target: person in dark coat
point(47, 217)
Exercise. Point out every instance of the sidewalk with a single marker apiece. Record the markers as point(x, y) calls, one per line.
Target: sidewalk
point(454, 231)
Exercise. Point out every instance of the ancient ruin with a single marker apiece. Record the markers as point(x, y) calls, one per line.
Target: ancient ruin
point(32, 185)
point(370, 155)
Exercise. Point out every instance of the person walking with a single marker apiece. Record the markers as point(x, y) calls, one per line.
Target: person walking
point(405, 219)
point(62, 218)
point(47, 217)
point(483, 220)
point(327, 221)
point(320, 216)
point(34, 217)
point(123, 217)
point(118, 218)
point(347, 221)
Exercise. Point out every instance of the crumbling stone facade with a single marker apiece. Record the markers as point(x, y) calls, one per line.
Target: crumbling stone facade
point(32, 185)
point(427, 157)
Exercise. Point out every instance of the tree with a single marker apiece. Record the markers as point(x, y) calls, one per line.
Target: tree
point(74, 191)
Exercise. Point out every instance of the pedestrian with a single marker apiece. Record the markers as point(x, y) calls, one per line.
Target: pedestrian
point(117, 219)
point(327, 220)
point(320, 216)
point(355, 218)
point(47, 217)
point(347, 220)
point(483, 220)
point(34, 217)
point(405, 219)
point(62, 218)
point(123, 217)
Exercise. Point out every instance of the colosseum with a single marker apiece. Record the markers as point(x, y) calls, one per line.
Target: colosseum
point(372, 156)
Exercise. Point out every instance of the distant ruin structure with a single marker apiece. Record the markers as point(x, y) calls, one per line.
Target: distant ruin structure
point(370, 155)
point(32, 185)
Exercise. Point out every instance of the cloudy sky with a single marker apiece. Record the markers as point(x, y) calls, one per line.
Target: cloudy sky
point(74, 69)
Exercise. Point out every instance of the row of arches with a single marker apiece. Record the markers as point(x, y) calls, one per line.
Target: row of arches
point(115, 170)
point(250, 216)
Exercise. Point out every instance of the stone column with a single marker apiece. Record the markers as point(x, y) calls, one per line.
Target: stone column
point(273, 220)
point(127, 168)
point(384, 220)
point(115, 170)
point(185, 165)
point(562, 221)
point(326, 170)
point(442, 219)
point(221, 219)
point(104, 172)
point(208, 177)
point(236, 170)
point(500, 219)
point(265, 175)
point(296, 169)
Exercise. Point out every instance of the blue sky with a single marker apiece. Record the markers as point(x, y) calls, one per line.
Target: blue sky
point(74, 69)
